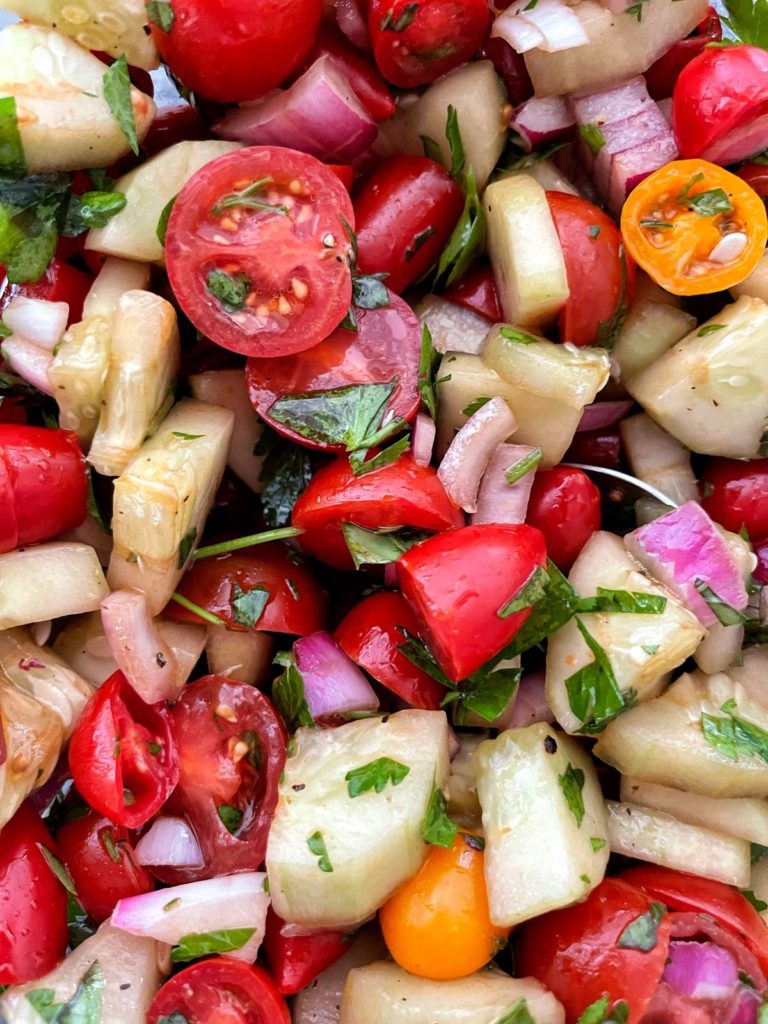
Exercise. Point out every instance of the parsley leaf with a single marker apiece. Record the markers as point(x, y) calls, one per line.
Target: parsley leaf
point(429, 360)
point(641, 933)
point(160, 13)
point(477, 403)
point(372, 547)
point(84, 1007)
point(187, 544)
point(285, 473)
point(593, 137)
point(609, 330)
point(230, 289)
point(288, 694)
point(523, 466)
point(399, 23)
point(360, 466)
point(529, 593)
point(58, 869)
point(162, 222)
point(248, 605)
point(438, 829)
point(572, 784)
point(757, 903)
point(558, 606)
point(231, 816)
point(190, 947)
point(12, 159)
point(519, 1014)
point(117, 93)
point(625, 601)
point(598, 1013)
point(597, 844)
point(727, 615)
point(368, 291)
point(468, 237)
point(520, 337)
point(593, 693)
point(710, 203)
point(173, 1018)
point(708, 329)
point(747, 20)
point(79, 925)
point(734, 736)
point(317, 846)
point(453, 135)
point(375, 775)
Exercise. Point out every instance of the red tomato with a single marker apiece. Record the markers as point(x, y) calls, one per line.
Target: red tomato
point(457, 582)
point(573, 952)
point(220, 991)
point(719, 105)
point(102, 863)
point(59, 283)
point(364, 79)
point(385, 347)
point(510, 67)
point(415, 43)
point(232, 752)
point(735, 494)
point(599, 272)
point(296, 603)
point(123, 754)
point(477, 293)
point(565, 505)
point(12, 411)
point(43, 483)
point(661, 76)
point(405, 213)
point(296, 960)
point(229, 51)
point(596, 448)
point(264, 273)
point(33, 903)
point(344, 173)
point(756, 176)
point(371, 635)
point(401, 494)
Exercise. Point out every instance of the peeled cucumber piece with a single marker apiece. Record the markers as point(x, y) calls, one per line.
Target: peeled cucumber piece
point(542, 845)
point(78, 374)
point(47, 581)
point(64, 120)
point(453, 328)
point(756, 285)
point(115, 278)
point(658, 459)
point(148, 189)
point(650, 329)
point(373, 840)
point(227, 389)
point(383, 993)
point(525, 251)
point(642, 649)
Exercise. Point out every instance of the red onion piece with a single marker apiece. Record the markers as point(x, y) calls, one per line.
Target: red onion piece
point(170, 842)
point(529, 705)
point(42, 798)
point(616, 104)
point(701, 926)
point(626, 134)
point(558, 24)
point(29, 361)
point(319, 114)
point(747, 1007)
point(701, 970)
point(600, 415)
point(141, 653)
point(514, 28)
point(497, 500)
point(37, 320)
point(468, 456)
point(333, 684)
point(630, 167)
point(350, 17)
point(542, 120)
point(424, 431)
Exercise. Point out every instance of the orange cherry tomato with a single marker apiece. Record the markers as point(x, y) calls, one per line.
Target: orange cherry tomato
point(438, 925)
point(682, 214)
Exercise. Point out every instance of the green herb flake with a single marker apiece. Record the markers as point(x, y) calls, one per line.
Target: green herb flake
point(186, 437)
point(468, 236)
point(474, 405)
point(520, 337)
point(190, 947)
point(656, 225)
point(375, 776)
point(12, 159)
point(109, 846)
point(400, 22)
point(186, 546)
point(438, 829)
point(593, 230)
point(428, 363)
point(558, 607)
point(288, 694)
point(431, 149)
point(230, 289)
point(598, 1013)
point(369, 291)
point(172, 904)
point(748, 21)
point(248, 605)
point(160, 13)
point(529, 593)
point(726, 615)
point(173, 1018)
point(592, 137)
point(84, 1007)
point(232, 817)
point(455, 144)
point(650, 648)
point(92, 210)
point(572, 784)
point(594, 695)
point(733, 736)
point(371, 547)
point(58, 869)
point(162, 222)
point(623, 601)
point(317, 847)
point(758, 904)
point(93, 506)
point(597, 844)
point(642, 933)
point(710, 203)
point(360, 466)
point(79, 925)
point(683, 193)
point(117, 93)
point(523, 466)
point(285, 474)
point(519, 1014)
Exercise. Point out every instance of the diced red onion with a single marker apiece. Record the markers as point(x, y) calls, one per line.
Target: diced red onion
point(558, 24)
point(760, 548)
point(514, 28)
point(470, 452)
point(615, 104)
point(600, 415)
point(542, 120)
point(333, 684)
point(701, 970)
point(141, 653)
point(38, 320)
point(29, 361)
point(747, 1007)
point(529, 704)
point(60, 779)
point(626, 134)
point(319, 114)
point(702, 926)
point(739, 144)
point(424, 431)
point(497, 500)
point(170, 842)
point(351, 20)
point(630, 167)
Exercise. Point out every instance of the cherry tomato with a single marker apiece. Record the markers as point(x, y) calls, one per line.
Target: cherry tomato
point(258, 252)
point(33, 903)
point(596, 448)
point(12, 411)
point(296, 603)
point(59, 283)
point(401, 494)
point(100, 858)
point(371, 635)
point(43, 483)
point(364, 79)
point(719, 105)
point(675, 218)
point(662, 76)
point(123, 754)
point(735, 494)
point(229, 51)
point(458, 582)
point(415, 43)
point(405, 213)
point(437, 925)
point(574, 952)
point(565, 505)
point(344, 173)
point(510, 67)
point(219, 991)
point(756, 176)
point(232, 752)
point(386, 346)
point(597, 269)
point(477, 293)
point(296, 960)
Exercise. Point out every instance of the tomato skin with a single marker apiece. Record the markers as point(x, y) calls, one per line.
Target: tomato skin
point(477, 292)
point(662, 76)
point(596, 448)
point(510, 67)
point(438, 36)
point(60, 283)
point(371, 635)
point(573, 951)
point(437, 925)
point(405, 213)
point(211, 583)
point(99, 879)
point(457, 582)
point(257, 45)
point(220, 989)
point(400, 494)
point(364, 79)
point(33, 903)
point(756, 176)
point(735, 494)
point(110, 754)
point(344, 173)
point(565, 505)
point(296, 960)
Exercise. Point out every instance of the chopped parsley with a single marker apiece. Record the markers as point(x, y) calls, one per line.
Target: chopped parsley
point(529, 593)
point(117, 93)
point(12, 159)
point(84, 1007)
point(726, 615)
point(378, 547)
point(594, 695)
point(512, 334)
point(231, 816)
point(592, 137)
point(733, 736)
point(230, 289)
point(288, 694)
point(248, 605)
point(523, 466)
point(709, 329)
point(572, 784)
point(190, 947)
point(317, 847)
point(375, 776)
point(160, 13)
point(392, 22)
point(438, 829)
point(468, 237)
point(642, 933)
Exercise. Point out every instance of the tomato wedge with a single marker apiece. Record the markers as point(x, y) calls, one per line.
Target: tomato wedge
point(219, 991)
point(258, 251)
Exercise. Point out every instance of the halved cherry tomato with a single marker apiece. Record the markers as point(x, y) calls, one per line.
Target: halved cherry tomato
point(364, 79)
point(371, 635)
point(401, 494)
point(257, 45)
point(232, 751)
point(596, 448)
point(735, 494)
point(33, 903)
point(599, 274)
point(662, 76)
point(123, 755)
point(296, 603)
point(415, 43)
point(405, 213)
point(296, 960)
point(509, 65)
point(457, 583)
point(756, 176)
point(674, 220)
point(219, 991)
point(437, 925)
point(100, 858)
point(477, 292)
point(258, 251)
point(386, 346)
point(344, 173)
point(565, 505)
point(60, 283)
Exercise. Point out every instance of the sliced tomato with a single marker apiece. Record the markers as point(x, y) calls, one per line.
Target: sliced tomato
point(386, 346)
point(258, 251)
point(662, 76)
point(296, 960)
point(735, 494)
point(477, 292)
point(219, 991)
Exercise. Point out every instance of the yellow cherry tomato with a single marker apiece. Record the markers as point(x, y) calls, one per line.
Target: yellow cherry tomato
point(695, 227)
point(437, 925)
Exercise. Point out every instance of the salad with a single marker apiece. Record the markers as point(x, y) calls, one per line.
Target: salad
point(383, 512)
